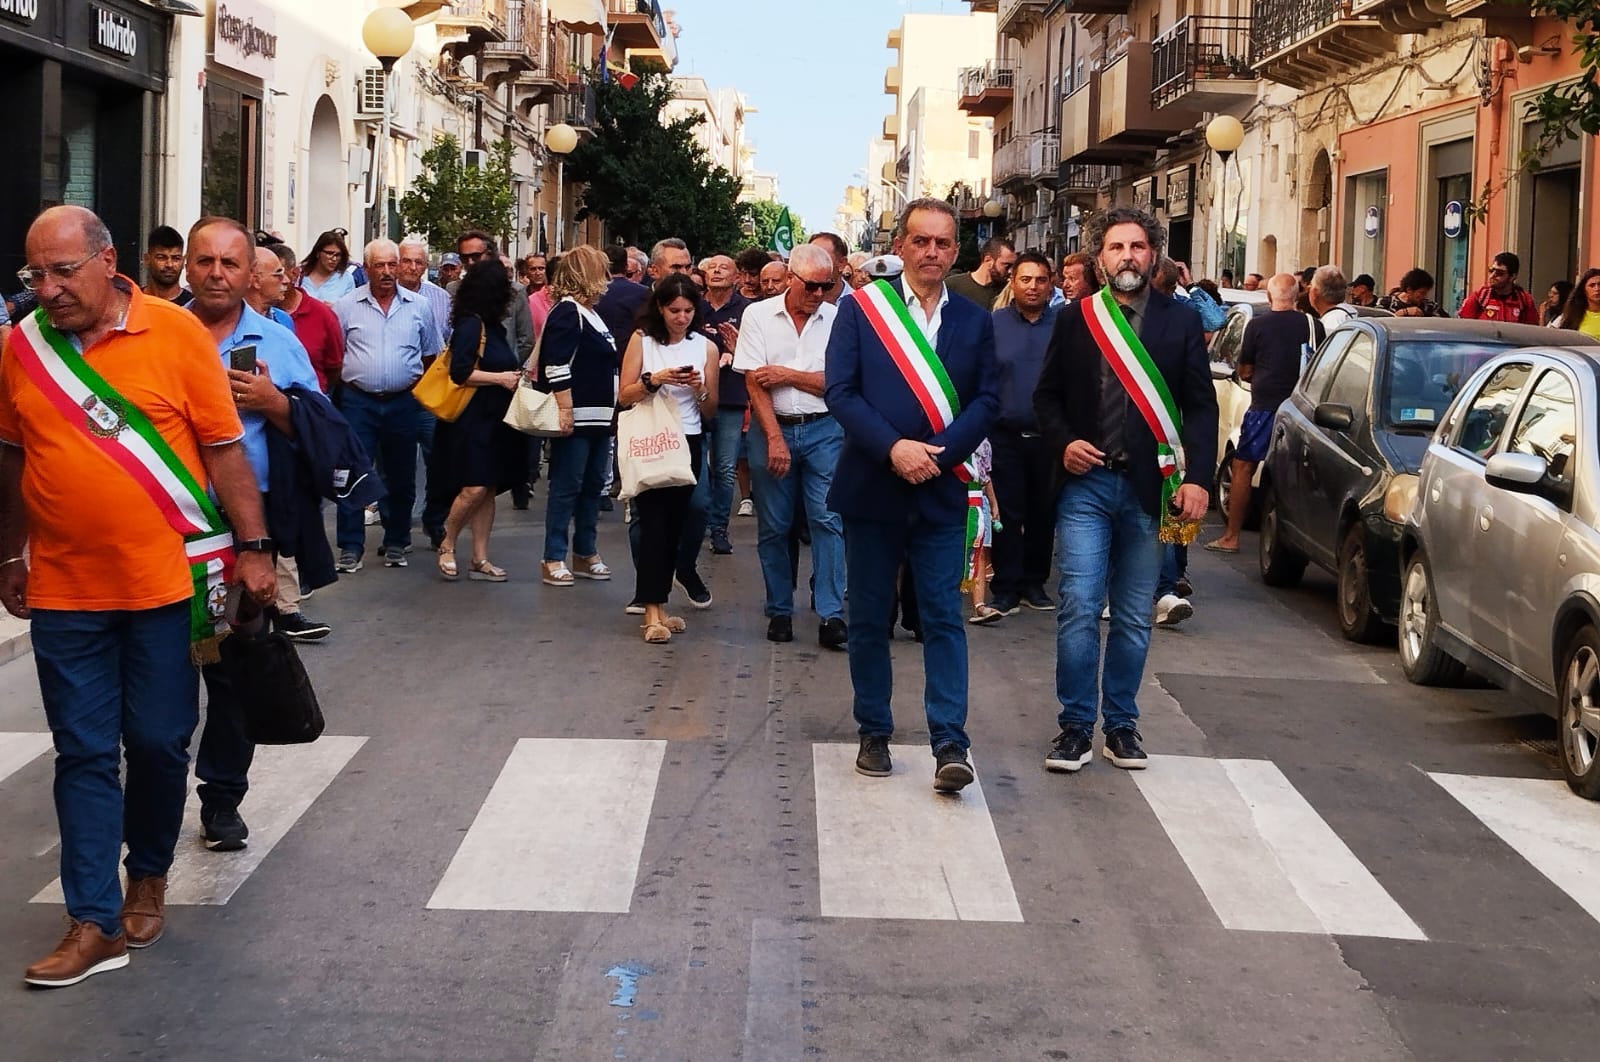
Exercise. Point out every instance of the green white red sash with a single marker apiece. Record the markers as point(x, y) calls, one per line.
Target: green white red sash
point(924, 373)
point(118, 429)
point(1145, 385)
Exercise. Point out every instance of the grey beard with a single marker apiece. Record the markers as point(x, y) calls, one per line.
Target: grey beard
point(1128, 281)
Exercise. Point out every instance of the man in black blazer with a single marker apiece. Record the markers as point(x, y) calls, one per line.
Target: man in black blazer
point(1109, 512)
point(896, 486)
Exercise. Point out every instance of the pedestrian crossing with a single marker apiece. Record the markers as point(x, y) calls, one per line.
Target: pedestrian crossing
point(565, 825)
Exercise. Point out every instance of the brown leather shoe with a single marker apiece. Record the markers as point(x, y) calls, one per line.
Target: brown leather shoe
point(144, 911)
point(83, 952)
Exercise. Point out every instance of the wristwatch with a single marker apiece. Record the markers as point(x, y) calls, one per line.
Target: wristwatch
point(644, 378)
point(254, 545)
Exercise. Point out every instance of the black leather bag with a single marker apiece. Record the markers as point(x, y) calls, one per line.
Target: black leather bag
point(276, 702)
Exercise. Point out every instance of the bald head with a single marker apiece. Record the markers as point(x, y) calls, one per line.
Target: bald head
point(1283, 290)
point(268, 281)
point(69, 251)
point(774, 279)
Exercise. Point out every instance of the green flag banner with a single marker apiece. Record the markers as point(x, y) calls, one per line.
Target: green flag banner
point(783, 235)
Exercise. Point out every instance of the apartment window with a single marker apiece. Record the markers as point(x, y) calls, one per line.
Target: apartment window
point(1155, 26)
point(973, 144)
point(231, 153)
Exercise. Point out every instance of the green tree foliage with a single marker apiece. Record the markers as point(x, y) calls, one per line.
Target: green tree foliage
point(448, 198)
point(763, 213)
point(647, 179)
point(1567, 111)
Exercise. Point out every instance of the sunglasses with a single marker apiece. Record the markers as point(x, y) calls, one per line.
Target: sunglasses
point(815, 286)
point(469, 257)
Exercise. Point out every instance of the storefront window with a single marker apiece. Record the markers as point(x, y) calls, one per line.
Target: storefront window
point(1451, 268)
point(1366, 222)
point(231, 154)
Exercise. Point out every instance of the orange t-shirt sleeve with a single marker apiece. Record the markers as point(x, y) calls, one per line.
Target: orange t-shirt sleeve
point(10, 423)
point(201, 387)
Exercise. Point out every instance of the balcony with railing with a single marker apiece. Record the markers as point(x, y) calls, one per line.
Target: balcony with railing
point(640, 28)
point(552, 70)
point(504, 60)
point(1081, 183)
point(473, 23)
point(1203, 62)
point(984, 91)
point(1302, 43)
point(1028, 157)
point(1019, 18)
point(576, 108)
point(1506, 18)
point(1127, 118)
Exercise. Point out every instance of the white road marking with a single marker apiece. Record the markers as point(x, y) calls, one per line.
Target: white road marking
point(1262, 855)
point(772, 1009)
point(562, 829)
point(1545, 822)
point(19, 750)
point(893, 848)
point(284, 781)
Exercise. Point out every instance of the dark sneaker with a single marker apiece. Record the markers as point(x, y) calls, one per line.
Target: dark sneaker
point(780, 629)
point(873, 759)
point(435, 540)
point(633, 608)
point(1006, 606)
point(1184, 587)
point(223, 828)
point(348, 562)
point(82, 953)
point(695, 587)
point(833, 634)
point(720, 544)
point(394, 557)
point(606, 504)
point(1073, 748)
point(1036, 599)
point(1124, 750)
point(951, 773)
point(295, 627)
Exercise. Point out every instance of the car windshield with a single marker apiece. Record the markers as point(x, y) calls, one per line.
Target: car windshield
point(1423, 376)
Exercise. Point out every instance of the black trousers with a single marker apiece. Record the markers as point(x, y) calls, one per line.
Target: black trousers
point(660, 516)
point(222, 763)
point(1024, 476)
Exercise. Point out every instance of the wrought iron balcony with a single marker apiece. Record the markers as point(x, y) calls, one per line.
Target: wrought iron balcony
point(1302, 43)
point(984, 91)
point(479, 20)
point(518, 53)
point(1081, 183)
point(640, 26)
point(577, 109)
point(1030, 156)
point(1203, 62)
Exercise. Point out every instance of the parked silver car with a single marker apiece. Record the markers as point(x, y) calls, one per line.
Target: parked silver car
point(1501, 554)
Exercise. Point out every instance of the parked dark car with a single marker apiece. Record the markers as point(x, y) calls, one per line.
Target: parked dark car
point(1341, 472)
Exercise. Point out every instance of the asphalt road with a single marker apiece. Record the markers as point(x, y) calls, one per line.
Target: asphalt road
point(527, 835)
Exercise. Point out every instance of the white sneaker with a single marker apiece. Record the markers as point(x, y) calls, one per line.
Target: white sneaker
point(371, 516)
point(1172, 610)
point(747, 508)
point(1105, 613)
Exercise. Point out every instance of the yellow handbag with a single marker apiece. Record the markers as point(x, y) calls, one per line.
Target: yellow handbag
point(439, 394)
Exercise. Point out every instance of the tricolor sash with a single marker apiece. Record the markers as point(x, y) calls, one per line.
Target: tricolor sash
point(1131, 362)
point(924, 373)
point(118, 429)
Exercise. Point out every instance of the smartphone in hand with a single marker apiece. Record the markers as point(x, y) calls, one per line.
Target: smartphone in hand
point(243, 358)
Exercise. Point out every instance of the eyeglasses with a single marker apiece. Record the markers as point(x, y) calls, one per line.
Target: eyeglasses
point(33, 275)
point(1499, 271)
point(469, 257)
point(815, 286)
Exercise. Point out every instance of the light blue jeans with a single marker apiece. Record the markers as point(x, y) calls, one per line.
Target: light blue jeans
point(802, 494)
point(1104, 540)
point(724, 459)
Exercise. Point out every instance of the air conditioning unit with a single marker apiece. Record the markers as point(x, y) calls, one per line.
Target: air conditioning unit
point(371, 93)
point(473, 158)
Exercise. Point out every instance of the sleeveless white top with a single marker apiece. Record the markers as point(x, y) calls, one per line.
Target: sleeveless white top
point(690, 350)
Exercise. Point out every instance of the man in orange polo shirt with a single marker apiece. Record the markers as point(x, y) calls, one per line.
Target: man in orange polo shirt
point(90, 552)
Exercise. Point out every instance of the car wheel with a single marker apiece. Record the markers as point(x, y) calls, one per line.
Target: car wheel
point(1224, 484)
point(1580, 713)
point(1420, 656)
point(1281, 564)
point(1357, 621)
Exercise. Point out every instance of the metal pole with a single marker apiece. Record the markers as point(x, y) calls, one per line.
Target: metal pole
point(561, 180)
point(1222, 221)
point(380, 203)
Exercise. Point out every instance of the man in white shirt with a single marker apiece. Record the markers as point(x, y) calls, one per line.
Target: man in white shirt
point(794, 441)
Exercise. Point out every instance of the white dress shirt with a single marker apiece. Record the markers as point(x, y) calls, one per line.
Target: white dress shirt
point(767, 336)
point(930, 326)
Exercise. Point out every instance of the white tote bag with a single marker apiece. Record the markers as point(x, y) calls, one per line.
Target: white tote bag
point(651, 449)
point(532, 411)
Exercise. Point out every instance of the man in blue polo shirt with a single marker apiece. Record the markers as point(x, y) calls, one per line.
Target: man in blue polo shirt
point(1024, 468)
point(220, 267)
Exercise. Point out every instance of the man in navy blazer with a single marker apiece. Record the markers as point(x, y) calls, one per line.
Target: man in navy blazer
point(1109, 512)
point(896, 488)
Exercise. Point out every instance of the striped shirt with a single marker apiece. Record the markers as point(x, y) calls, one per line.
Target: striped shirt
point(383, 352)
point(439, 303)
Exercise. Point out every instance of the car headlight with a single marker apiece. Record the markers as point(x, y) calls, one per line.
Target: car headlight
point(1399, 498)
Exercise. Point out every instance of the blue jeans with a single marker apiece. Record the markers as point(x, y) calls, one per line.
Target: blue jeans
point(873, 552)
point(389, 429)
point(693, 535)
point(813, 453)
point(724, 440)
point(1174, 562)
point(1103, 538)
point(116, 683)
point(577, 479)
point(434, 508)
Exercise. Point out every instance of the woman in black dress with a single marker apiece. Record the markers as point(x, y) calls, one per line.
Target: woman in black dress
point(478, 455)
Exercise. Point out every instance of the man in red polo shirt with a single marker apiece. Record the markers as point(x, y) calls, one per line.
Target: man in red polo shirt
point(1502, 299)
point(314, 323)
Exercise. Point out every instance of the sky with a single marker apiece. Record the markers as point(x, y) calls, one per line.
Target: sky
point(814, 70)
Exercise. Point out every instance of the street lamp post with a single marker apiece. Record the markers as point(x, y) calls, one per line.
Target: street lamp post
point(560, 139)
point(1224, 134)
point(388, 34)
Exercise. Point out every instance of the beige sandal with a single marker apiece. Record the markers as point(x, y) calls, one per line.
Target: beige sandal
point(486, 572)
point(591, 568)
point(555, 573)
point(447, 563)
point(675, 624)
point(655, 634)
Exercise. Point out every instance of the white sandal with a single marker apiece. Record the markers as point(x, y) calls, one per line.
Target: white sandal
point(555, 573)
point(591, 568)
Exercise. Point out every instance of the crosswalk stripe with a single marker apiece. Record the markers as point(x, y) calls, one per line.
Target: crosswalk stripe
point(1543, 821)
point(284, 781)
point(893, 848)
point(18, 750)
point(1262, 855)
point(562, 829)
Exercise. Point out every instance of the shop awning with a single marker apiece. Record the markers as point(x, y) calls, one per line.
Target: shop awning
point(584, 16)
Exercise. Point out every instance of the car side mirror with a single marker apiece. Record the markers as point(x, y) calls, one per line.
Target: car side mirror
point(1333, 416)
point(1527, 474)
